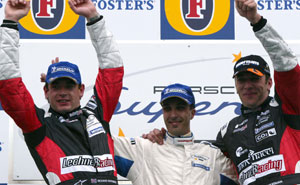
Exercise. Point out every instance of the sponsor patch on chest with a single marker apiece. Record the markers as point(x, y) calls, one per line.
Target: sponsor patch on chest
point(241, 126)
point(265, 134)
point(206, 168)
point(86, 163)
point(261, 128)
point(93, 126)
point(200, 161)
point(262, 168)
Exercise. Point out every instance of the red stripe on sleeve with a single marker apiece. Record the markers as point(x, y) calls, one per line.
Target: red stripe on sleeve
point(18, 103)
point(289, 147)
point(112, 151)
point(109, 87)
point(287, 86)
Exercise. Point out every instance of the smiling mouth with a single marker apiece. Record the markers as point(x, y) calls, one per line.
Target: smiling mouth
point(174, 123)
point(62, 101)
point(249, 94)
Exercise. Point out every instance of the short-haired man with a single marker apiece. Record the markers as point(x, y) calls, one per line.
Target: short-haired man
point(180, 160)
point(264, 142)
point(69, 144)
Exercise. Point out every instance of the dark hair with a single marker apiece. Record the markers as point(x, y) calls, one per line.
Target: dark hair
point(192, 106)
point(267, 77)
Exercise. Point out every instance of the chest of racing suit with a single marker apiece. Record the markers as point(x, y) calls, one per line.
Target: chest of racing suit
point(73, 148)
point(178, 161)
point(263, 147)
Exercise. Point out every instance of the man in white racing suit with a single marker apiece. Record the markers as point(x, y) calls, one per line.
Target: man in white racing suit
point(180, 160)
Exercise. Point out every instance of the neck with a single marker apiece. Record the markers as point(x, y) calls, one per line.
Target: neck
point(184, 135)
point(64, 114)
point(186, 139)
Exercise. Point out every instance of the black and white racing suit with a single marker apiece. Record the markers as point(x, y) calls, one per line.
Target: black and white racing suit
point(75, 148)
point(264, 143)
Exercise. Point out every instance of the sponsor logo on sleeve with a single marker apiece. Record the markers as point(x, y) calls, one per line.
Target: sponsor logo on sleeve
point(262, 168)
point(194, 19)
point(52, 19)
point(86, 163)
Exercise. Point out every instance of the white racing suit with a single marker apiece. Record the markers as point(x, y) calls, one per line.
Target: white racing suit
point(146, 163)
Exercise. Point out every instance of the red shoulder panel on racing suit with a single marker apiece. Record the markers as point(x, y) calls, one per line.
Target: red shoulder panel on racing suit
point(18, 103)
point(288, 89)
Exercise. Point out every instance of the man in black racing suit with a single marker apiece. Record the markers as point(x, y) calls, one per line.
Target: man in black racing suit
point(264, 142)
point(69, 144)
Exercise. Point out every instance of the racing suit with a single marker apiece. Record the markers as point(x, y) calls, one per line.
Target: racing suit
point(179, 161)
point(264, 143)
point(76, 147)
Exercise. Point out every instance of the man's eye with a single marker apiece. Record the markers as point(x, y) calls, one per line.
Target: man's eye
point(70, 86)
point(166, 109)
point(181, 107)
point(241, 79)
point(54, 86)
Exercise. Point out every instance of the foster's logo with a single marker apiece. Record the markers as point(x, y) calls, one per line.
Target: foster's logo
point(52, 19)
point(197, 19)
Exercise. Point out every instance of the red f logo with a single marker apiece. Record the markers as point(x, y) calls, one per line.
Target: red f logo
point(45, 9)
point(195, 6)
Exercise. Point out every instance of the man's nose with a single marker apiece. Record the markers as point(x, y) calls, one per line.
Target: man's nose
point(173, 113)
point(62, 91)
point(248, 84)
